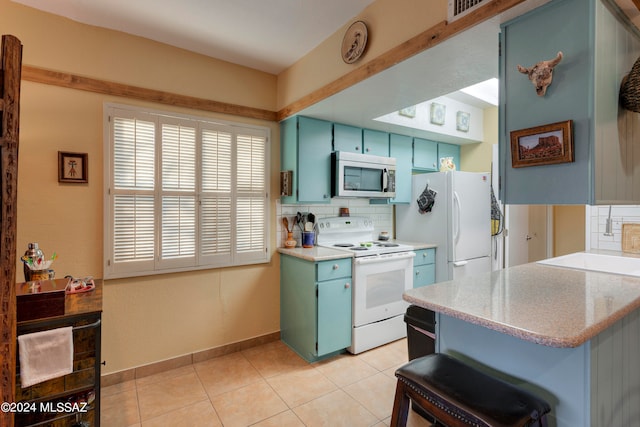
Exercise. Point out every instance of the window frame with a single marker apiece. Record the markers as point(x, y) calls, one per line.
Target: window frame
point(114, 270)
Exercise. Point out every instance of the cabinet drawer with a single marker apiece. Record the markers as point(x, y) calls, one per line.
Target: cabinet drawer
point(424, 256)
point(424, 275)
point(333, 269)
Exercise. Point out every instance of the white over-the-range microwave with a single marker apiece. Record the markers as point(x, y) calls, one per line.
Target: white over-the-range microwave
point(362, 175)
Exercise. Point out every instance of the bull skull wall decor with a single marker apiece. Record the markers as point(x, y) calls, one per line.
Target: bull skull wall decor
point(541, 74)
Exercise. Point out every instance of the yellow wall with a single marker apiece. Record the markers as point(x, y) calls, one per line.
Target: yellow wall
point(151, 318)
point(389, 22)
point(478, 157)
point(160, 317)
point(568, 229)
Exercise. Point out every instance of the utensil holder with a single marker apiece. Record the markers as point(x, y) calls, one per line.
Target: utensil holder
point(308, 239)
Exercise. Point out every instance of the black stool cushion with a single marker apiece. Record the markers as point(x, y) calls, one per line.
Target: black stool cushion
point(457, 385)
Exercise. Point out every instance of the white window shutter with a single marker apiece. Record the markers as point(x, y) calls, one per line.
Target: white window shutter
point(183, 193)
point(251, 197)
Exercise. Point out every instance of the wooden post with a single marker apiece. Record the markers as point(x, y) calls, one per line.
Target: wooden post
point(10, 70)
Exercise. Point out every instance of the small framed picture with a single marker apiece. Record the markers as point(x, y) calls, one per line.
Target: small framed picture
point(462, 121)
point(73, 167)
point(542, 145)
point(437, 113)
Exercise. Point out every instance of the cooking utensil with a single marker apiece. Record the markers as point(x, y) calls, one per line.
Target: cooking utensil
point(285, 221)
point(300, 221)
point(309, 224)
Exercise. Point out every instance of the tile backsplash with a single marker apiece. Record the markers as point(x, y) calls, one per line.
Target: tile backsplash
point(598, 221)
point(382, 215)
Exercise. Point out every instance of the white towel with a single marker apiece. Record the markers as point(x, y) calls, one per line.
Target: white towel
point(45, 355)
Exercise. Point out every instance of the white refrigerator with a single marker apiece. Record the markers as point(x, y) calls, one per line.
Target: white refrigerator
point(459, 221)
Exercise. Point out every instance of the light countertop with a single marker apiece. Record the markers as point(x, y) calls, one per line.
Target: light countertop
point(316, 253)
point(319, 253)
point(553, 306)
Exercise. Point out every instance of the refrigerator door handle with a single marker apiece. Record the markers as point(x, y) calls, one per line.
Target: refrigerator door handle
point(459, 263)
point(457, 208)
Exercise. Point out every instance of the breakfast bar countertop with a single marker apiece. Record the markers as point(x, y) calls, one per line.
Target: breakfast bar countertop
point(553, 306)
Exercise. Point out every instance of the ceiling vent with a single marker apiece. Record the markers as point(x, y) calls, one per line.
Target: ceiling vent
point(459, 8)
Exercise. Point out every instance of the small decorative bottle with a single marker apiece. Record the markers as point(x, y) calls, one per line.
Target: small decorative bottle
point(290, 242)
point(33, 252)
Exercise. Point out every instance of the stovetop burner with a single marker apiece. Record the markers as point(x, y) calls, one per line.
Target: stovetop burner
point(355, 235)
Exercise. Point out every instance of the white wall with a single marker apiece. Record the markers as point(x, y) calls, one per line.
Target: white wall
point(382, 215)
point(597, 220)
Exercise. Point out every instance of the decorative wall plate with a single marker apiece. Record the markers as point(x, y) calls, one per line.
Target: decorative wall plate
point(354, 42)
point(462, 121)
point(437, 113)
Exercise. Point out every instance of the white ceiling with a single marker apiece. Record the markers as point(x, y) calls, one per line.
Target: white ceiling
point(265, 35)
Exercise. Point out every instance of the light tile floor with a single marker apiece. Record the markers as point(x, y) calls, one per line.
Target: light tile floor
point(265, 386)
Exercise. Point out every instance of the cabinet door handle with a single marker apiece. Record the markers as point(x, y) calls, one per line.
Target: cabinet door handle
point(357, 148)
point(347, 285)
point(417, 272)
point(336, 266)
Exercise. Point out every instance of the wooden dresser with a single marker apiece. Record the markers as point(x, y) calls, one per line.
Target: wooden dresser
point(82, 311)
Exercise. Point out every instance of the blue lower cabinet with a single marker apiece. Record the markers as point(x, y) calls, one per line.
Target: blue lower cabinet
point(424, 267)
point(315, 306)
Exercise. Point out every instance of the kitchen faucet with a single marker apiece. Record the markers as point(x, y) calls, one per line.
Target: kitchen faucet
point(608, 230)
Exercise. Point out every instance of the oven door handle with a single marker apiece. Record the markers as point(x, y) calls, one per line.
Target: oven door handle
point(384, 258)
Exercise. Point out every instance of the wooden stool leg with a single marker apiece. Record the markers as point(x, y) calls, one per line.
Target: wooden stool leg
point(400, 406)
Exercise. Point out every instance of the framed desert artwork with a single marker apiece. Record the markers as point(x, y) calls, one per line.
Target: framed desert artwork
point(542, 145)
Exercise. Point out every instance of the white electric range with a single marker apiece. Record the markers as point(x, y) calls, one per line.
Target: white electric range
point(381, 272)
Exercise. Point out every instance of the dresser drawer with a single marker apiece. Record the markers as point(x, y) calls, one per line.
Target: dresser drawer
point(333, 269)
point(424, 256)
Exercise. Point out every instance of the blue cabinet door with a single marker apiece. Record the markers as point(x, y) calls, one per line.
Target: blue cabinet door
point(425, 154)
point(298, 305)
point(400, 147)
point(375, 142)
point(314, 160)
point(424, 275)
point(334, 315)
point(347, 138)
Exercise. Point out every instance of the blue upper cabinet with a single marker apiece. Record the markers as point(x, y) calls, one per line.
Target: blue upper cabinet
point(425, 155)
point(400, 148)
point(306, 150)
point(347, 138)
point(358, 140)
point(375, 142)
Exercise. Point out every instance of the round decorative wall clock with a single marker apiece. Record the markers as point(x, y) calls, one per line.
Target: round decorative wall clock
point(354, 42)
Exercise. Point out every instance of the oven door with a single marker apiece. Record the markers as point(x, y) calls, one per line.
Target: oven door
point(378, 284)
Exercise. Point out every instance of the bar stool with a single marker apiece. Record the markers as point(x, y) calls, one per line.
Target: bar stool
point(456, 394)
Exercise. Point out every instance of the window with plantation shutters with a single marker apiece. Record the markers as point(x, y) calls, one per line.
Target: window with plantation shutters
point(183, 193)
